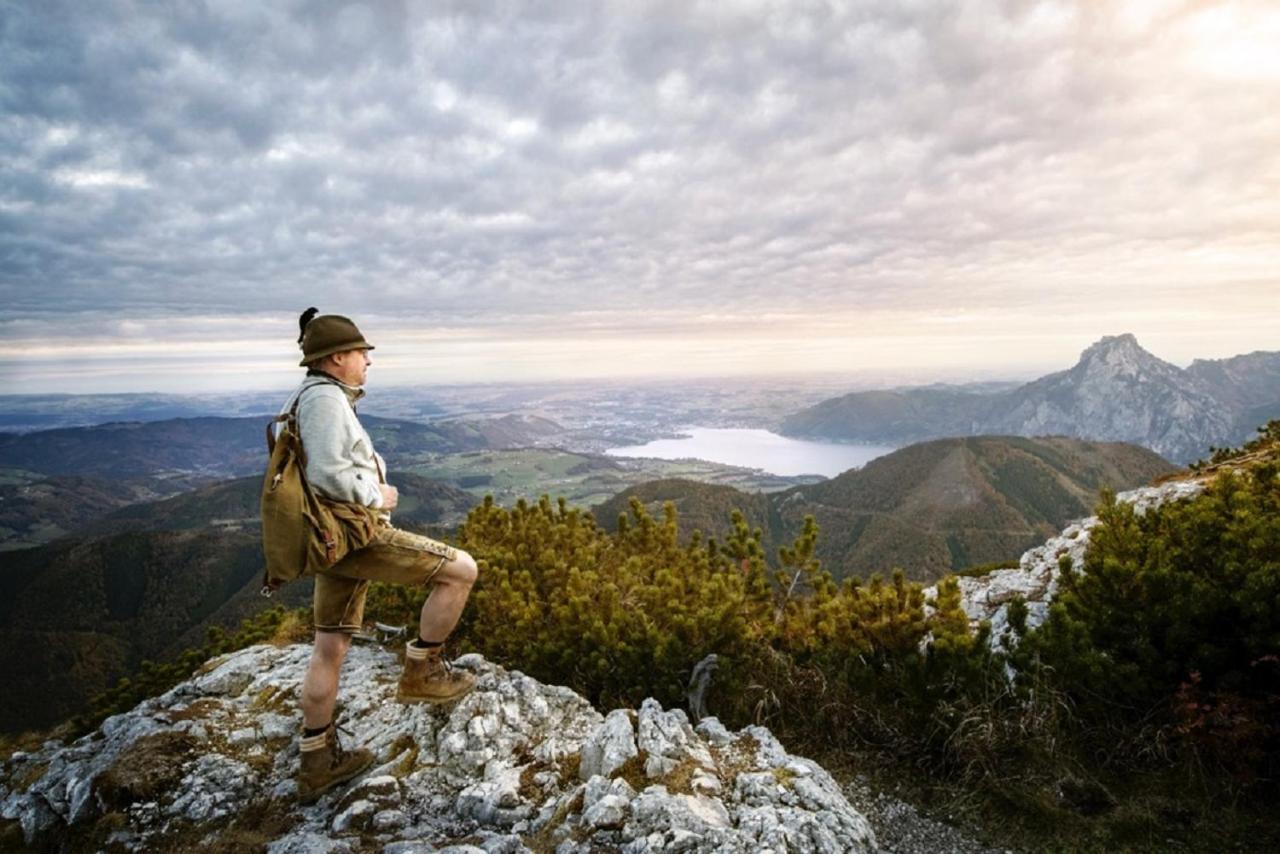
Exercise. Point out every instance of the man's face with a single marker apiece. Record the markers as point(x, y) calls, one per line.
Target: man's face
point(350, 366)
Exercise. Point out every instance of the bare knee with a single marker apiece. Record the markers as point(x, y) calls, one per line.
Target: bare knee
point(331, 648)
point(461, 571)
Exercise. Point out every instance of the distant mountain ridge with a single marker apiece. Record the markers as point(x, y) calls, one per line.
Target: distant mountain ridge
point(929, 508)
point(1117, 391)
point(217, 448)
point(59, 480)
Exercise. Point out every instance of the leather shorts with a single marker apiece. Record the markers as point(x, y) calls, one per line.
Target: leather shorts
point(394, 556)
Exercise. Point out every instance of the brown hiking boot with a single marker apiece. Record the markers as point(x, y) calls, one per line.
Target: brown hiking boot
point(326, 764)
point(428, 678)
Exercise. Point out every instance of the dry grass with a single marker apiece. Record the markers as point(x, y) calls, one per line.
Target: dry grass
point(27, 776)
point(406, 747)
point(679, 780)
point(196, 710)
point(150, 767)
point(295, 627)
point(569, 766)
point(633, 771)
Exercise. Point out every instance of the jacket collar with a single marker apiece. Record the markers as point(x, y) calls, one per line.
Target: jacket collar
point(353, 392)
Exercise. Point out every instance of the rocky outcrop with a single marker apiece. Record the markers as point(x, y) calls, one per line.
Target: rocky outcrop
point(1035, 579)
point(515, 766)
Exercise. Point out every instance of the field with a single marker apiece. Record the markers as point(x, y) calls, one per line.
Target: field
point(583, 479)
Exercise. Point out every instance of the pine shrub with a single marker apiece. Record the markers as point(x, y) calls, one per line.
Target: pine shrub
point(1174, 623)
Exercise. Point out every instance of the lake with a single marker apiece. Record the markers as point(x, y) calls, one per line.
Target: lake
point(760, 449)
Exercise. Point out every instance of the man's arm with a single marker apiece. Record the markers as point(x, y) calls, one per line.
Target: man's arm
point(324, 424)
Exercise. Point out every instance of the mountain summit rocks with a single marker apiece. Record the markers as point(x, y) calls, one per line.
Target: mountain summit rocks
point(1120, 391)
point(515, 766)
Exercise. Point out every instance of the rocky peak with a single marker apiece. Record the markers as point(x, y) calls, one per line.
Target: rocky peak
point(515, 766)
point(1122, 356)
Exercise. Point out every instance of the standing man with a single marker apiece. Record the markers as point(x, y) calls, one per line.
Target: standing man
point(342, 465)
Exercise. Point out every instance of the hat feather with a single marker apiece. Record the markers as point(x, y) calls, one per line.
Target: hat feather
point(304, 319)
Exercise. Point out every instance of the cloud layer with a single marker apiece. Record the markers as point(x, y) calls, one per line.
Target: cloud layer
point(643, 171)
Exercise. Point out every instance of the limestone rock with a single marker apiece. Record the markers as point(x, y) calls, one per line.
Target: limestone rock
point(1035, 579)
point(498, 772)
point(608, 747)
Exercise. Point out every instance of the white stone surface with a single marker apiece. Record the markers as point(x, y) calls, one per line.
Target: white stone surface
point(490, 771)
point(609, 747)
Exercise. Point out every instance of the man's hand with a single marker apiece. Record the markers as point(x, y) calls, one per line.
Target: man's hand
point(390, 496)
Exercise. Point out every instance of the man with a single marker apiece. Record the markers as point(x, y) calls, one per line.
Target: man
point(342, 465)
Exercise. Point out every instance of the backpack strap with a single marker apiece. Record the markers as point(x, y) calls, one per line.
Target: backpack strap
point(290, 416)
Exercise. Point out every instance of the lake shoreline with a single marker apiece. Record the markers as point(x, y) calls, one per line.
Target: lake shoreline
point(756, 448)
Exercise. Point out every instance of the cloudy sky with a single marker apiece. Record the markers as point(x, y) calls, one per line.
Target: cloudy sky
point(542, 190)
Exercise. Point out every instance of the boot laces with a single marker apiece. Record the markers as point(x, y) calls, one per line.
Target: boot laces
point(339, 752)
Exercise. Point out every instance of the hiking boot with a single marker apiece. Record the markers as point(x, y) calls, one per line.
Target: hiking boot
point(326, 764)
point(428, 678)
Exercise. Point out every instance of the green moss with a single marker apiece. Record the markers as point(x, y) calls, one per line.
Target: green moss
point(784, 776)
point(273, 698)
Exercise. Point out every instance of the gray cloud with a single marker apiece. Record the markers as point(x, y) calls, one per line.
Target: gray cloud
point(495, 161)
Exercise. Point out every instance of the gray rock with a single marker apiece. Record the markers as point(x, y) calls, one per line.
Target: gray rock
point(713, 731)
point(609, 746)
point(309, 843)
point(504, 844)
point(668, 739)
point(357, 816)
point(485, 769)
point(609, 812)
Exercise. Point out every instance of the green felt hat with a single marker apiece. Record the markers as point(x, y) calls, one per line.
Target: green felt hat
point(327, 334)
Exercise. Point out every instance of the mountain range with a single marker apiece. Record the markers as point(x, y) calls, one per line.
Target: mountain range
point(1117, 391)
point(929, 508)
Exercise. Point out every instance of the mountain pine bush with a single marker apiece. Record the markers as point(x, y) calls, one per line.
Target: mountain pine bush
point(1175, 621)
point(626, 614)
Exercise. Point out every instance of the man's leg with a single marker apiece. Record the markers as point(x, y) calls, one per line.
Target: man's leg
point(402, 557)
point(320, 685)
point(452, 587)
point(338, 606)
point(427, 676)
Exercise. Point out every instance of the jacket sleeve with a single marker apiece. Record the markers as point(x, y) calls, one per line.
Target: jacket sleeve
point(324, 425)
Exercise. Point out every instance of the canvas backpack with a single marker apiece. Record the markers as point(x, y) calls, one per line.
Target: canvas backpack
point(303, 532)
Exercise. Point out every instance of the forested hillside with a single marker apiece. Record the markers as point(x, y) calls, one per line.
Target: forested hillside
point(928, 508)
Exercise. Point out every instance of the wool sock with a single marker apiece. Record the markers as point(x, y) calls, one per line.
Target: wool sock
point(426, 644)
point(308, 732)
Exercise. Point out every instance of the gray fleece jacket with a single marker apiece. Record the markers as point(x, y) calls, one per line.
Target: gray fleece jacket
point(341, 461)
